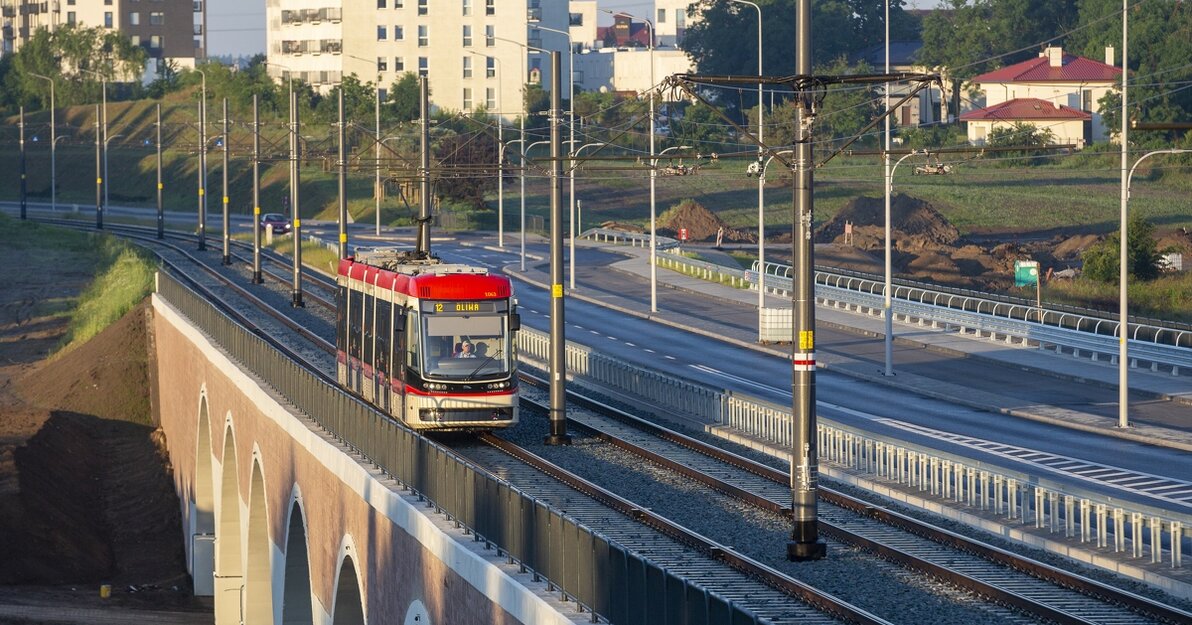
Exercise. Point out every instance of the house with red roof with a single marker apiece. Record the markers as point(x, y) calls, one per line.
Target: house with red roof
point(1056, 91)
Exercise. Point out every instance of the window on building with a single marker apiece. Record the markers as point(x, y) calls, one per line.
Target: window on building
point(383, 94)
point(399, 4)
point(70, 3)
point(381, 4)
point(680, 19)
point(134, 19)
point(155, 42)
point(107, 19)
point(134, 40)
point(467, 67)
point(399, 64)
point(490, 67)
point(422, 9)
point(157, 18)
point(382, 64)
point(1086, 100)
point(467, 7)
point(467, 99)
point(575, 19)
point(70, 17)
point(382, 33)
point(423, 35)
point(490, 31)
point(467, 36)
point(423, 66)
point(490, 98)
point(661, 16)
point(399, 33)
point(490, 7)
point(107, 3)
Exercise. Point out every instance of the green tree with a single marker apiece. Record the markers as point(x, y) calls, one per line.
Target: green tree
point(970, 37)
point(403, 99)
point(698, 127)
point(466, 152)
point(846, 109)
point(62, 53)
point(1101, 261)
point(1026, 135)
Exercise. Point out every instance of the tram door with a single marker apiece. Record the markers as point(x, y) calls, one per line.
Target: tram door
point(381, 354)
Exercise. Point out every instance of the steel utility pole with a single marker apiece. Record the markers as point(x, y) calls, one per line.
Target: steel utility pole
point(227, 234)
point(424, 167)
point(24, 189)
point(343, 181)
point(256, 191)
point(161, 215)
point(295, 219)
point(98, 173)
point(804, 542)
point(558, 339)
point(202, 174)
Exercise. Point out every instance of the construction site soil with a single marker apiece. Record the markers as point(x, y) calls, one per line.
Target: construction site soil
point(926, 247)
point(86, 491)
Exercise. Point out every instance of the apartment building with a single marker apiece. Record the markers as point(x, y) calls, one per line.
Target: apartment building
point(475, 53)
point(169, 30)
point(671, 19)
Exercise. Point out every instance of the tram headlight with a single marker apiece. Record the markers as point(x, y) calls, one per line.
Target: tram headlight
point(435, 386)
point(497, 385)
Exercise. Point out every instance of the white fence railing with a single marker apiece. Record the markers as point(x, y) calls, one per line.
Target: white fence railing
point(1036, 499)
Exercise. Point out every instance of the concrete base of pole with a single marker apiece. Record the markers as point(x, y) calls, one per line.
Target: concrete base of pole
point(227, 260)
point(256, 278)
point(805, 552)
point(557, 439)
point(296, 300)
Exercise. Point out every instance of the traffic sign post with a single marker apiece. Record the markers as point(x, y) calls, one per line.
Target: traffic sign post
point(1026, 272)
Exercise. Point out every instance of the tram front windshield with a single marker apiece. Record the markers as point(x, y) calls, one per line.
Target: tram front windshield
point(465, 347)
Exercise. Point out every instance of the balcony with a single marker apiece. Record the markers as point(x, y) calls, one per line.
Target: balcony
point(534, 15)
point(198, 29)
point(198, 7)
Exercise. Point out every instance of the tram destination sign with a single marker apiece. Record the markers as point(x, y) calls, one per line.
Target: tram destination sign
point(460, 307)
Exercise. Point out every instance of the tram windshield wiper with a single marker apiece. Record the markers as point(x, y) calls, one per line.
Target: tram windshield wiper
point(487, 359)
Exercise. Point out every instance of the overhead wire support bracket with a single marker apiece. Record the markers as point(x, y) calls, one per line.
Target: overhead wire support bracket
point(811, 88)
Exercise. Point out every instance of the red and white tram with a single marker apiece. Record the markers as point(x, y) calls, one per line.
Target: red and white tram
point(427, 342)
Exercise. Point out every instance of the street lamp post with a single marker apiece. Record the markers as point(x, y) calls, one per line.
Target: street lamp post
point(98, 174)
point(1123, 311)
point(103, 81)
point(522, 132)
point(761, 184)
point(1123, 278)
point(653, 171)
point(53, 146)
point(500, 149)
point(161, 215)
point(888, 303)
point(227, 226)
point(24, 188)
point(575, 203)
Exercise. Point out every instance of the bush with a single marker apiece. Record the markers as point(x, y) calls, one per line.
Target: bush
point(1143, 257)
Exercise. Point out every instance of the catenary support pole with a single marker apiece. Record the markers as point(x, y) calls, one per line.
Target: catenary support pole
point(202, 177)
point(295, 199)
point(227, 226)
point(558, 339)
point(424, 169)
point(161, 207)
point(256, 190)
point(804, 542)
point(98, 171)
point(24, 187)
point(343, 180)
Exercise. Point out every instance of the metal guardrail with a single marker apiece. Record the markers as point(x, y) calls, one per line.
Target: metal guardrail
point(981, 303)
point(1024, 497)
point(1079, 335)
point(634, 239)
point(589, 568)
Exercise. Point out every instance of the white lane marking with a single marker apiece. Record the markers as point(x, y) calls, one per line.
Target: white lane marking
point(610, 337)
point(578, 326)
point(535, 311)
point(670, 357)
point(650, 351)
point(594, 332)
point(630, 344)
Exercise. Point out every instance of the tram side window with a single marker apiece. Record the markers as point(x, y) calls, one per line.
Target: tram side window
point(381, 332)
point(356, 303)
point(341, 316)
point(411, 339)
point(369, 304)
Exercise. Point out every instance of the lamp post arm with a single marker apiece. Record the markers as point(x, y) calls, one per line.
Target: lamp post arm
point(1130, 176)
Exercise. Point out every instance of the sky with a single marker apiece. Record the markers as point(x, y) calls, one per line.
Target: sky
point(237, 28)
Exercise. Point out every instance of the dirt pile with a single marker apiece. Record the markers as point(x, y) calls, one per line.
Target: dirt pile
point(702, 224)
point(916, 224)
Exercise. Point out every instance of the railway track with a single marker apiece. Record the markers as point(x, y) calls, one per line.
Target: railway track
point(1033, 588)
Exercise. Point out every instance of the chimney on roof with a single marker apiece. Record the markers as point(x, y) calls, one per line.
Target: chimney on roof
point(1055, 56)
point(1109, 60)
